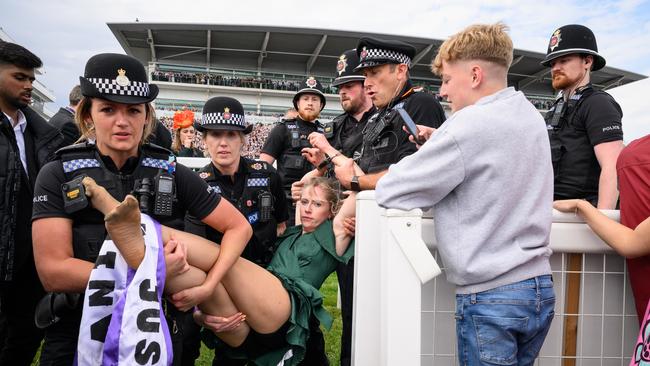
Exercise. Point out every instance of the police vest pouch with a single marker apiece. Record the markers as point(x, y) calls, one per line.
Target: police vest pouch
point(53, 307)
point(74, 195)
point(294, 162)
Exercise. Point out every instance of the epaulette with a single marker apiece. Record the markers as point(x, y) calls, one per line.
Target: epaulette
point(80, 147)
point(259, 165)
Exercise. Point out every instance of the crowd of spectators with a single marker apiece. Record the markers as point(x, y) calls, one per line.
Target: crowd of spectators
point(233, 81)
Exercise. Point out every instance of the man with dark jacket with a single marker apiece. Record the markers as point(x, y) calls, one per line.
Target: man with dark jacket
point(27, 142)
point(63, 120)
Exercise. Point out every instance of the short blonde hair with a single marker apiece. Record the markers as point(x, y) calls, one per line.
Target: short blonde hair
point(486, 42)
point(88, 130)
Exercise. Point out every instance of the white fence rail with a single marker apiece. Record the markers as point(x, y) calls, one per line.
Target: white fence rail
point(405, 316)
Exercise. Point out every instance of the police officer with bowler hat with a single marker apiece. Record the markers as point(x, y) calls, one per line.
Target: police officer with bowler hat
point(286, 140)
point(386, 64)
point(68, 232)
point(584, 124)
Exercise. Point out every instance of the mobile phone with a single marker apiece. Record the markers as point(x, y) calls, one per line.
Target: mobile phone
point(410, 126)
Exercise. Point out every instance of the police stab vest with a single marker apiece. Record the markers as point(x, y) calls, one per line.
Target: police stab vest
point(88, 231)
point(257, 182)
point(575, 166)
point(292, 166)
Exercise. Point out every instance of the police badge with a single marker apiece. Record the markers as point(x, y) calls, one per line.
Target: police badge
point(226, 113)
point(555, 40)
point(341, 65)
point(256, 166)
point(121, 78)
point(364, 53)
point(204, 175)
point(311, 82)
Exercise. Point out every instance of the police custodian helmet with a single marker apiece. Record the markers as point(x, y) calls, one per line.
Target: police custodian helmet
point(570, 39)
point(345, 66)
point(375, 52)
point(117, 78)
point(223, 113)
point(310, 86)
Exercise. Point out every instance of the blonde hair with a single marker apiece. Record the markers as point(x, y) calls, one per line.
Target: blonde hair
point(88, 129)
point(486, 42)
point(329, 187)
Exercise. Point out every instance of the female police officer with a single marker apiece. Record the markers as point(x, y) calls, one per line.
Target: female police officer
point(254, 187)
point(67, 233)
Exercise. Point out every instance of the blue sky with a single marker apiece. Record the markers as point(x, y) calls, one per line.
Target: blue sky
point(65, 33)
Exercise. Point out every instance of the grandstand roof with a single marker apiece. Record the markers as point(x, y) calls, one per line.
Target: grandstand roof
point(306, 51)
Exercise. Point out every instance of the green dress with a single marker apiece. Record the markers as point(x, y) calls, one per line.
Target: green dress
point(302, 262)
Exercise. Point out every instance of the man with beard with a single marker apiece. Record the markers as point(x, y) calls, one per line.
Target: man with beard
point(27, 142)
point(385, 65)
point(584, 127)
point(287, 139)
point(584, 124)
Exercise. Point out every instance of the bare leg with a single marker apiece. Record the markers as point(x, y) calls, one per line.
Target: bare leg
point(255, 291)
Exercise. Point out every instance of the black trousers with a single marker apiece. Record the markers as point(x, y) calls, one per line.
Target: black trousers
point(18, 300)
point(345, 273)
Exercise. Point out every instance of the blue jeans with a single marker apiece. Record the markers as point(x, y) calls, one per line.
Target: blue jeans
point(506, 325)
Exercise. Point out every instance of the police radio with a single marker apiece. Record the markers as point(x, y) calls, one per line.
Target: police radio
point(266, 205)
point(74, 195)
point(295, 139)
point(164, 195)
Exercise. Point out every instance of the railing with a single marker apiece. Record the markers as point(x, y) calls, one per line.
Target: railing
point(405, 316)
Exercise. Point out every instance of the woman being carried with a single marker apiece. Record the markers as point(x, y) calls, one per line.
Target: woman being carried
point(278, 302)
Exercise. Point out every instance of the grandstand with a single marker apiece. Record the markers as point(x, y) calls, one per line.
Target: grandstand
point(261, 66)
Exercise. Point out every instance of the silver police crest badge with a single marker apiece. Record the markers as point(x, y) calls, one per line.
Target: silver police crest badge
point(121, 78)
point(555, 40)
point(341, 65)
point(256, 166)
point(311, 82)
point(364, 53)
point(204, 175)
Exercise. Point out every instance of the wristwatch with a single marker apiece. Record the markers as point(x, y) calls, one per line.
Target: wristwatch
point(354, 184)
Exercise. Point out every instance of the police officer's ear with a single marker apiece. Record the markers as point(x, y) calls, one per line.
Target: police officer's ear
point(402, 72)
point(588, 61)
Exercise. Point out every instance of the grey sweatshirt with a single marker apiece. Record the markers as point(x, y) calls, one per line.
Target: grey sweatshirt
point(488, 175)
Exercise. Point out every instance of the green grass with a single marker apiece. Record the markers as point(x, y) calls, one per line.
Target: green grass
point(332, 337)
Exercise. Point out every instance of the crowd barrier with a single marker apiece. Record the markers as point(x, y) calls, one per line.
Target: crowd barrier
point(404, 308)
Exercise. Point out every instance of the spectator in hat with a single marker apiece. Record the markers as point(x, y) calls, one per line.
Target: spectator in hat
point(68, 233)
point(63, 120)
point(494, 244)
point(27, 143)
point(184, 135)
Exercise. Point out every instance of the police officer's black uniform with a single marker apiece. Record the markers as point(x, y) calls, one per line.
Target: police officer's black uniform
point(578, 122)
point(255, 189)
point(140, 175)
point(384, 140)
point(286, 140)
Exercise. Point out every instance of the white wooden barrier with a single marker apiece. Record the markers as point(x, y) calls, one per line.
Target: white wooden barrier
point(405, 316)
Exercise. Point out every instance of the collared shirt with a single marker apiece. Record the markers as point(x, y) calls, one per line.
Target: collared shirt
point(19, 130)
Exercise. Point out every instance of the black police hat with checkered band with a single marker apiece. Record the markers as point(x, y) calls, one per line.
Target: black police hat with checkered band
point(571, 39)
point(345, 66)
point(223, 113)
point(118, 78)
point(310, 86)
point(374, 52)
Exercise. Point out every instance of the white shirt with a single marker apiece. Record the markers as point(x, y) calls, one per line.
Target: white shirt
point(19, 130)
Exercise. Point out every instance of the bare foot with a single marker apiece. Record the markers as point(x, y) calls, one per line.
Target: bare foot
point(101, 200)
point(123, 225)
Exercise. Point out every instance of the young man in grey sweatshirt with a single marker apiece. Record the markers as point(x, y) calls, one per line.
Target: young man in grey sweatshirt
point(487, 172)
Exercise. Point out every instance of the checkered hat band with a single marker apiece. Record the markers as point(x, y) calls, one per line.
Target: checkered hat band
point(155, 163)
point(72, 165)
point(218, 119)
point(216, 189)
point(110, 86)
point(257, 182)
point(380, 54)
